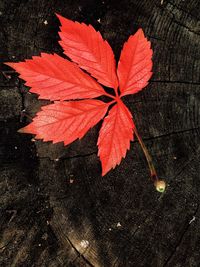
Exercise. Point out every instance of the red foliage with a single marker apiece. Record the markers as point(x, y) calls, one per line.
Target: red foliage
point(55, 78)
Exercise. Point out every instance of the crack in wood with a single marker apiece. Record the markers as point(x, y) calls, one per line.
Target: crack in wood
point(72, 157)
point(171, 133)
point(182, 10)
point(58, 227)
point(78, 253)
point(181, 24)
point(174, 82)
point(135, 141)
point(187, 227)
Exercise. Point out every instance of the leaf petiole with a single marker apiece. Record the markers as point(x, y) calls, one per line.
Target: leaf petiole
point(109, 95)
point(159, 184)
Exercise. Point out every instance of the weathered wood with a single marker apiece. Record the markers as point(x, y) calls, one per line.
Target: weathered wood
point(56, 209)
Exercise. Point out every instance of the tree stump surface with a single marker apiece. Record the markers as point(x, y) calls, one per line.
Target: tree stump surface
point(56, 209)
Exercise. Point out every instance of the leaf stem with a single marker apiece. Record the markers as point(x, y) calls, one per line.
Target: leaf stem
point(116, 92)
point(109, 95)
point(159, 184)
point(111, 102)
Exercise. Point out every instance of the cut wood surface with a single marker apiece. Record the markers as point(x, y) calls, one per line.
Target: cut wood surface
point(55, 208)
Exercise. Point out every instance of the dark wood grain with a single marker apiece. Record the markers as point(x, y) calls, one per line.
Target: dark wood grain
point(55, 208)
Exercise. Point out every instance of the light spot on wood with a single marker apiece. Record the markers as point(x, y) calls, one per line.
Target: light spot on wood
point(84, 243)
point(193, 219)
point(119, 224)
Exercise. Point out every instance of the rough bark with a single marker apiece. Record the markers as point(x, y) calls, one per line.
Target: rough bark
point(56, 209)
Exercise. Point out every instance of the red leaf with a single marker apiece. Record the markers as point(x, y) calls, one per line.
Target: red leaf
point(55, 78)
point(135, 64)
point(115, 136)
point(87, 48)
point(66, 121)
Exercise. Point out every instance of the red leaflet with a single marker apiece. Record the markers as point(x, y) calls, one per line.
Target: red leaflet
point(135, 64)
point(115, 136)
point(87, 48)
point(55, 78)
point(66, 121)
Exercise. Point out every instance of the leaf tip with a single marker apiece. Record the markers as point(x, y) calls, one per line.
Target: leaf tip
point(22, 130)
point(140, 33)
point(25, 130)
point(105, 169)
point(10, 64)
point(103, 173)
point(62, 19)
point(58, 15)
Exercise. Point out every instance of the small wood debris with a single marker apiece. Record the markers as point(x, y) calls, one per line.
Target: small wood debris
point(71, 178)
point(84, 243)
point(119, 224)
point(193, 219)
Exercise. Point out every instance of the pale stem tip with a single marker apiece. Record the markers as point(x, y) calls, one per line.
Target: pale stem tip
point(160, 186)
